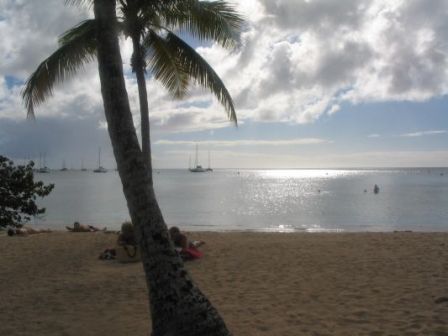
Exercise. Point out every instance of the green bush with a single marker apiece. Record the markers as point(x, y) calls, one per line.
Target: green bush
point(18, 193)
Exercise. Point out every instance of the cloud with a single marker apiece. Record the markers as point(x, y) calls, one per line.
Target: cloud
point(423, 133)
point(29, 29)
point(69, 139)
point(234, 143)
point(300, 60)
point(232, 158)
point(304, 57)
point(374, 135)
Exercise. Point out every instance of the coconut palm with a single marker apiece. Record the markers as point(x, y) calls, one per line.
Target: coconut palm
point(177, 306)
point(150, 25)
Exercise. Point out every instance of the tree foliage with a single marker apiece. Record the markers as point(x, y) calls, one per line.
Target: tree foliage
point(18, 193)
point(154, 26)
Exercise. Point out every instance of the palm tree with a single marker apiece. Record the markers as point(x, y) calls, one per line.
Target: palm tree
point(150, 26)
point(177, 305)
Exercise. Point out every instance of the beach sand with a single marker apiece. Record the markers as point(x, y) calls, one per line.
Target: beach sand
point(262, 283)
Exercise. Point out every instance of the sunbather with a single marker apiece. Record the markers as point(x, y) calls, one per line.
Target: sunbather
point(77, 227)
point(25, 231)
point(126, 249)
point(187, 250)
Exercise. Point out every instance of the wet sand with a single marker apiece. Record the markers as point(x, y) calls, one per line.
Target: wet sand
point(262, 283)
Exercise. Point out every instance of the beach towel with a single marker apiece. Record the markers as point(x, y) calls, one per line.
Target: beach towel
point(190, 253)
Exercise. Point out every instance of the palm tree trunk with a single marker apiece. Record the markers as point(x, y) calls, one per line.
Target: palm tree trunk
point(178, 308)
point(138, 66)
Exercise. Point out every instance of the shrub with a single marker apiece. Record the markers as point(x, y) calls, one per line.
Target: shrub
point(18, 193)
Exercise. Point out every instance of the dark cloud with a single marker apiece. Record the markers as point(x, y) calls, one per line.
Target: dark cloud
point(69, 139)
point(339, 66)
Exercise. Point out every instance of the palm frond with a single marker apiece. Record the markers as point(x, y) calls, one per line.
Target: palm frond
point(197, 68)
point(77, 47)
point(205, 20)
point(163, 63)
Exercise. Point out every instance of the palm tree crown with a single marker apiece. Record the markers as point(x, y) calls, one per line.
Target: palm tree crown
point(152, 24)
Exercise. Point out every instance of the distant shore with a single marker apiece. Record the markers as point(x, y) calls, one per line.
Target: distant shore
point(269, 284)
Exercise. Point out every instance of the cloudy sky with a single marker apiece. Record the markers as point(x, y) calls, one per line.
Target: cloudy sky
point(316, 83)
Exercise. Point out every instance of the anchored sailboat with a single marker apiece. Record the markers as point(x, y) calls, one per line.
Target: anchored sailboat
point(197, 167)
point(100, 168)
point(64, 167)
point(82, 165)
point(42, 159)
point(209, 169)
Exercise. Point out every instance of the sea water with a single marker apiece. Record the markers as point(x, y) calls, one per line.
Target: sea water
point(261, 200)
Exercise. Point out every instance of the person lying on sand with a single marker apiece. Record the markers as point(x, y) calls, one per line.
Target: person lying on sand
point(77, 227)
point(25, 231)
point(187, 250)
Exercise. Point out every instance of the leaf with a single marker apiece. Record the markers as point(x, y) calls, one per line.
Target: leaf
point(77, 47)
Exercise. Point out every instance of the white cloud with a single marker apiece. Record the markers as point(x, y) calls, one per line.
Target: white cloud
point(306, 57)
point(423, 133)
point(299, 60)
point(236, 143)
point(248, 159)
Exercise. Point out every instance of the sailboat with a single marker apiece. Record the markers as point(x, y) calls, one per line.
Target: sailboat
point(197, 167)
point(209, 169)
point(100, 168)
point(43, 160)
point(82, 165)
point(64, 167)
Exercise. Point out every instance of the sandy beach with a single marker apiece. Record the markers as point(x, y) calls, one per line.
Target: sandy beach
point(262, 283)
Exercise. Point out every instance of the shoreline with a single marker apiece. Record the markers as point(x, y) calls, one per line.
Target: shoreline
point(262, 283)
point(254, 231)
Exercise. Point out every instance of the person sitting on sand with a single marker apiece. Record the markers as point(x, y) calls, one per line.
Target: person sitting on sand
point(126, 250)
point(127, 236)
point(77, 227)
point(188, 250)
point(25, 231)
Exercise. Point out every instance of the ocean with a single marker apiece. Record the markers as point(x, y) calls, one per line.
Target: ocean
point(309, 200)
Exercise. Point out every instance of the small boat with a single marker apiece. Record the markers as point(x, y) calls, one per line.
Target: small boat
point(44, 170)
point(82, 165)
point(209, 169)
point(100, 168)
point(197, 167)
point(64, 167)
point(42, 160)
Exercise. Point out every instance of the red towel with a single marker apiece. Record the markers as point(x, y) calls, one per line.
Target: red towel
point(191, 253)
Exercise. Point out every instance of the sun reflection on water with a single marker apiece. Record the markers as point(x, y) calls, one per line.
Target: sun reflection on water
point(283, 228)
point(305, 173)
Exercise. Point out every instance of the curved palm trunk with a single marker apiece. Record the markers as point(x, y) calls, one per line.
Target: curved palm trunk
point(178, 308)
point(138, 67)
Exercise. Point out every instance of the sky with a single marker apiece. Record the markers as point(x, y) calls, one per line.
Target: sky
point(316, 84)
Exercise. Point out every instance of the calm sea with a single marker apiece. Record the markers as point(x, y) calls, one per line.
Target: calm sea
point(262, 200)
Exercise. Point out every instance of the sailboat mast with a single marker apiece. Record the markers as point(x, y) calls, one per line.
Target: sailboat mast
point(196, 157)
point(208, 159)
point(99, 157)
